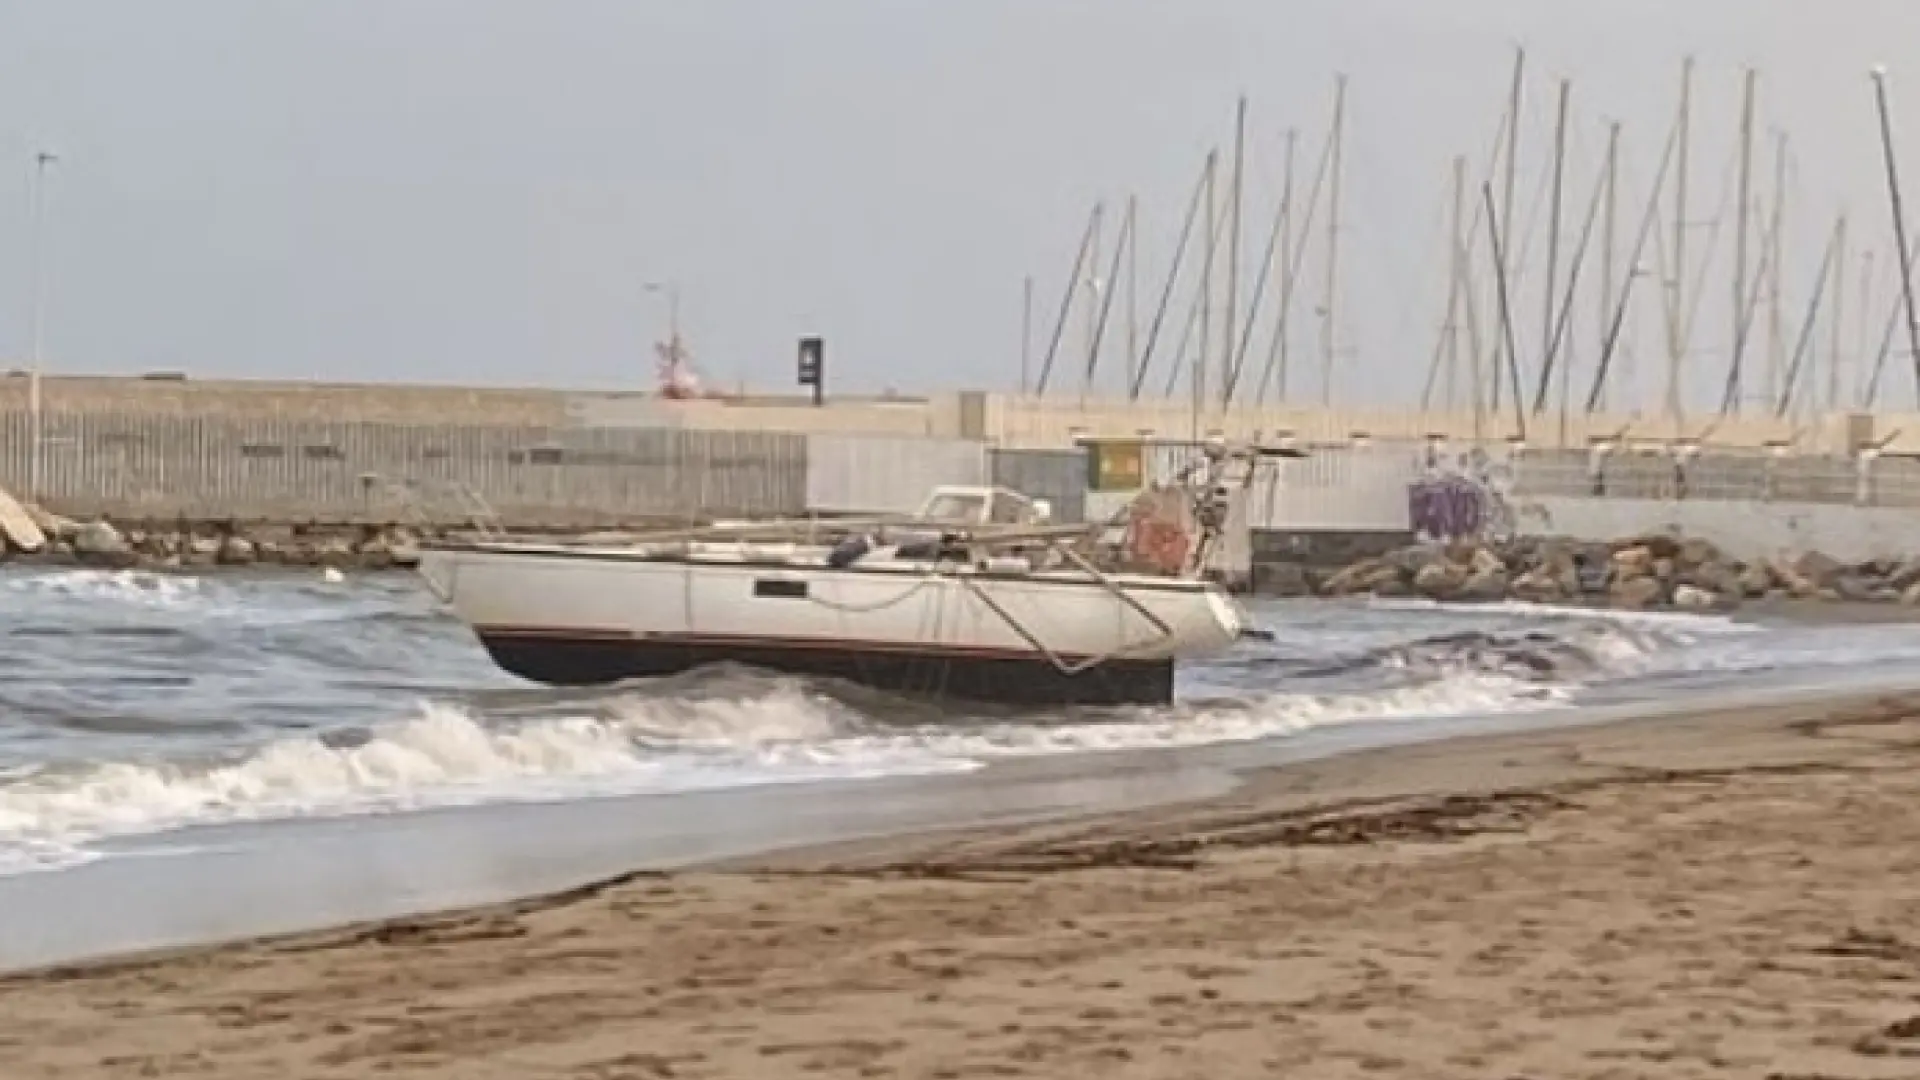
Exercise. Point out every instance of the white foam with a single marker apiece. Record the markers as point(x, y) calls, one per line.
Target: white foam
point(1696, 622)
point(140, 588)
point(1266, 717)
point(441, 757)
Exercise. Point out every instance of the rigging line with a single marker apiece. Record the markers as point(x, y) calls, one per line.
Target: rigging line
point(1193, 318)
point(1727, 188)
point(1806, 327)
point(1566, 304)
point(1647, 217)
point(1066, 299)
point(1291, 279)
point(1872, 395)
point(1173, 276)
point(1749, 310)
point(1401, 276)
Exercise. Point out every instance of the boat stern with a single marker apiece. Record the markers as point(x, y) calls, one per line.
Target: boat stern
point(439, 569)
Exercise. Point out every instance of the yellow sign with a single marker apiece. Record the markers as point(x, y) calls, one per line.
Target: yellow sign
point(1116, 466)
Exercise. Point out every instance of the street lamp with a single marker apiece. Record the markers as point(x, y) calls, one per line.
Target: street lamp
point(671, 290)
point(36, 319)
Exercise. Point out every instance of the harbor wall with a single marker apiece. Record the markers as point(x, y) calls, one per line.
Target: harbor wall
point(1744, 530)
point(1009, 420)
point(161, 467)
point(156, 467)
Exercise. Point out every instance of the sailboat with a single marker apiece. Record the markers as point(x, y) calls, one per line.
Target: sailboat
point(977, 596)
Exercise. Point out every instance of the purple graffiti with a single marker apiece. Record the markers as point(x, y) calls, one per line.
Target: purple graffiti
point(1447, 507)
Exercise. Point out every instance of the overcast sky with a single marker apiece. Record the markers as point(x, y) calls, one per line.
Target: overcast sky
point(476, 190)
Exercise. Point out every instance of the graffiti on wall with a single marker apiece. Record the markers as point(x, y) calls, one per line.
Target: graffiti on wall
point(1468, 496)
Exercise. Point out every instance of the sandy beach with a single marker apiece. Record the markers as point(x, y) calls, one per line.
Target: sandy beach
point(1730, 893)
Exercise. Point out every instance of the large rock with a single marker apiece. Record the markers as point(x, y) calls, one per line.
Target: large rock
point(1484, 585)
point(1694, 598)
point(98, 542)
point(236, 550)
point(1694, 553)
point(1635, 561)
point(1854, 588)
point(1636, 593)
point(1537, 586)
point(1657, 545)
point(1818, 568)
point(1439, 579)
point(1905, 575)
point(1367, 575)
point(1714, 576)
point(1757, 580)
point(1797, 585)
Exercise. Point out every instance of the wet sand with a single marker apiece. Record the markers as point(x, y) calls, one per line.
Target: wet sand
point(1727, 893)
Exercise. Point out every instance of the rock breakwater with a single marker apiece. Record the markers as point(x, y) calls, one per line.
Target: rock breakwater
point(1654, 571)
point(199, 544)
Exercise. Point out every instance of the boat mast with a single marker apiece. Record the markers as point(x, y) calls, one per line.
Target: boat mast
point(1730, 399)
point(1272, 253)
point(1776, 255)
point(1095, 288)
point(1026, 333)
point(1553, 240)
point(1899, 223)
point(1133, 288)
point(1865, 332)
point(1617, 317)
point(1838, 316)
point(1608, 271)
point(1066, 301)
point(1173, 278)
point(1279, 349)
point(1105, 306)
point(1456, 277)
point(1504, 267)
point(1506, 313)
point(1227, 338)
point(1333, 240)
point(1446, 348)
point(1288, 273)
point(1206, 304)
point(1676, 343)
point(1803, 342)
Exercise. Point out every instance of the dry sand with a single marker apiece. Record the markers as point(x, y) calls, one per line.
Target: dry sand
point(1731, 894)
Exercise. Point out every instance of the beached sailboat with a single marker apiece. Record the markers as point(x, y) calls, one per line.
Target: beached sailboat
point(976, 597)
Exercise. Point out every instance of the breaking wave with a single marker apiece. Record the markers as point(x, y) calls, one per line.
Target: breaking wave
point(449, 754)
point(136, 703)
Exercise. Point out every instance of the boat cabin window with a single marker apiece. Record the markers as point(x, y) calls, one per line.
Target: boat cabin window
point(1008, 510)
point(949, 506)
point(780, 589)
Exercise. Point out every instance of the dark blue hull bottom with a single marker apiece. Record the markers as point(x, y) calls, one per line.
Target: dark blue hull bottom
point(561, 660)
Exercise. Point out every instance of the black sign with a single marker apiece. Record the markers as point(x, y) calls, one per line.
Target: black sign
point(813, 366)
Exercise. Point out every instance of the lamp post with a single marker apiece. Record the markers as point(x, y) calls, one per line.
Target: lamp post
point(671, 290)
point(36, 320)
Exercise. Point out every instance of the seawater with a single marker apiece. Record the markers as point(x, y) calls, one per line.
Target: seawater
point(135, 703)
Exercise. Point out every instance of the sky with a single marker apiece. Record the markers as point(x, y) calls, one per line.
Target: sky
point(479, 190)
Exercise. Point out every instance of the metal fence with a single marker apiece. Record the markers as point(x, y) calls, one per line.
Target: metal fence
point(1058, 476)
point(156, 466)
point(886, 474)
point(1727, 475)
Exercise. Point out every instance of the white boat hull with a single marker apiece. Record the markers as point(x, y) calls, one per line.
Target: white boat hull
point(577, 616)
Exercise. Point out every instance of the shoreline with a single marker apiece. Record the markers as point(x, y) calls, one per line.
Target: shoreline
point(1562, 901)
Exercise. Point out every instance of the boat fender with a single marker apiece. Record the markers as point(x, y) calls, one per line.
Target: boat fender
point(849, 551)
point(918, 549)
point(1006, 564)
